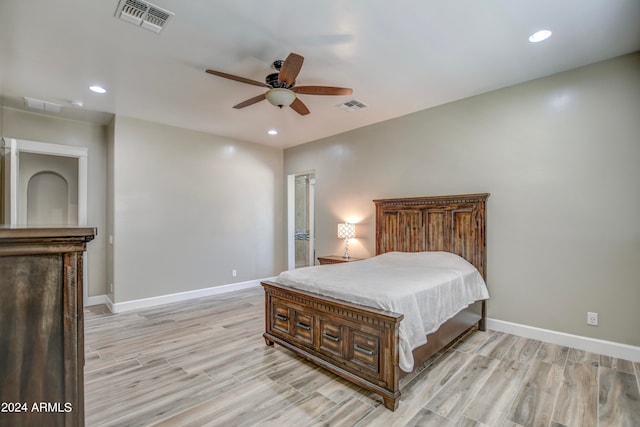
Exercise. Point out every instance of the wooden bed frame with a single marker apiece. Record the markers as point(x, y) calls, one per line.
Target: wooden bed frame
point(360, 343)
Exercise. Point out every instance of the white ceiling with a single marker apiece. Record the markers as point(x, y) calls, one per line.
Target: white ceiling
point(399, 57)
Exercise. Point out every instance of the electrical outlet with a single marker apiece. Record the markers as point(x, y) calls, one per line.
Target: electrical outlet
point(234, 273)
point(592, 318)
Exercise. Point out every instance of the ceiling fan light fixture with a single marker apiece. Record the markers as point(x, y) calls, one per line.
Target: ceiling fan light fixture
point(280, 97)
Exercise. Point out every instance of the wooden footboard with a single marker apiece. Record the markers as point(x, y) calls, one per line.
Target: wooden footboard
point(357, 343)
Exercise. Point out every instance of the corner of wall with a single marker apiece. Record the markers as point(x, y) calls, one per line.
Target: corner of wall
point(110, 135)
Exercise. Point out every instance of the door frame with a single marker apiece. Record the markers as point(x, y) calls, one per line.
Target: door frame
point(291, 218)
point(17, 146)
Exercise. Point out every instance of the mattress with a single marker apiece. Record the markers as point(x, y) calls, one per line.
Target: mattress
point(428, 288)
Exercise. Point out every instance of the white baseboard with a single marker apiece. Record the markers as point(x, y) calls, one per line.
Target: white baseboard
point(120, 307)
point(100, 299)
point(97, 300)
point(607, 348)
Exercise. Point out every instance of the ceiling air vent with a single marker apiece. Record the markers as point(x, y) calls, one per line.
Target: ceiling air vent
point(353, 105)
point(143, 14)
point(38, 104)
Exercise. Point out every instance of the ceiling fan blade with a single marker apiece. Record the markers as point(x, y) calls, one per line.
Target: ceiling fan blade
point(237, 78)
point(322, 90)
point(299, 107)
point(250, 101)
point(290, 69)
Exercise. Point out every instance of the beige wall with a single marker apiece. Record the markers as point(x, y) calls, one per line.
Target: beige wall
point(560, 157)
point(189, 207)
point(43, 128)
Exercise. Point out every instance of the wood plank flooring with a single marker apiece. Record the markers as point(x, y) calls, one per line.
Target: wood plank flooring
point(204, 363)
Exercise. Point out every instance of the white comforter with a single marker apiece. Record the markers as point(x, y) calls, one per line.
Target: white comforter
point(427, 287)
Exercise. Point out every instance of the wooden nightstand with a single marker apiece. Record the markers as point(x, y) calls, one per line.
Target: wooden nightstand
point(335, 259)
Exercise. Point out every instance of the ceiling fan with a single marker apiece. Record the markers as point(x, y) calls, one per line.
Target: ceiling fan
point(282, 89)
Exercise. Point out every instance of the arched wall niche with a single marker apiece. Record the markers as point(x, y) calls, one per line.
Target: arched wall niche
point(48, 200)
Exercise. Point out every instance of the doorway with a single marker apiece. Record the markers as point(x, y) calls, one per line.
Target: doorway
point(301, 235)
point(32, 166)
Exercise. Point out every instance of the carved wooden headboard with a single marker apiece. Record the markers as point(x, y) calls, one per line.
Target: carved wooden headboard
point(454, 224)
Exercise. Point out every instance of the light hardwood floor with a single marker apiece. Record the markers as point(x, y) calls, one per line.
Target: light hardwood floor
point(204, 363)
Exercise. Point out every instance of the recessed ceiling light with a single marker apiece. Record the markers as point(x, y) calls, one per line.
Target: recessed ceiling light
point(539, 36)
point(272, 132)
point(97, 89)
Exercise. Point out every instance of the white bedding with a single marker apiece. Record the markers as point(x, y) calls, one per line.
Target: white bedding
point(427, 287)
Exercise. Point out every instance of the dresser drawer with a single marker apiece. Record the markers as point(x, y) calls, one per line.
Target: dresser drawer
point(331, 337)
point(280, 320)
point(365, 351)
point(303, 326)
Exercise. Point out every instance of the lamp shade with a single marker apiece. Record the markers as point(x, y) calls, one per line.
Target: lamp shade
point(346, 230)
point(280, 97)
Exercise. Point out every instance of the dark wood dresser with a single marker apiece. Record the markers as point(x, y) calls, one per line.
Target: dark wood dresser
point(41, 326)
